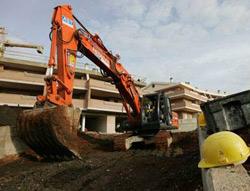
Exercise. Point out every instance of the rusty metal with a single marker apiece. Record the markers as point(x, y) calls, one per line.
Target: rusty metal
point(119, 142)
point(162, 140)
point(51, 132)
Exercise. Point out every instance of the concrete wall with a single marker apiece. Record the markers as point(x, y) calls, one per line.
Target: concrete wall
point(187, 124)
point(8, 115)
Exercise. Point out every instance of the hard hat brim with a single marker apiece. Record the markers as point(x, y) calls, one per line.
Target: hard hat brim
point(204, 164)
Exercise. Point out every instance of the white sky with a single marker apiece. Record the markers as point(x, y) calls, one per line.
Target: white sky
point(205, 42)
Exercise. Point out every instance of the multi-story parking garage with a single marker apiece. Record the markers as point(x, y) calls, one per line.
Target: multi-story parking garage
point(99, 100)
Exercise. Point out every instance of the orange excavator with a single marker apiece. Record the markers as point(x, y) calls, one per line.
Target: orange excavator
point(50, 128)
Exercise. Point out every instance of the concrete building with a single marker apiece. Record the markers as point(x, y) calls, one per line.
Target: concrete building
point(22, 79)
point(185, 99)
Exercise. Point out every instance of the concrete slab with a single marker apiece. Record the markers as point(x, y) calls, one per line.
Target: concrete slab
point(133, 139)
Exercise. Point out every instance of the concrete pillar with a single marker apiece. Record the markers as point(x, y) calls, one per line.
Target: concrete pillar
point(2, 34)
point(83, 123)
point(87, 76)
point(2, 40)
point(110, 124)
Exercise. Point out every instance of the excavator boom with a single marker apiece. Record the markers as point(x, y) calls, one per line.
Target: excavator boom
point(66, 42)
point(50, 128)
point(41, 127)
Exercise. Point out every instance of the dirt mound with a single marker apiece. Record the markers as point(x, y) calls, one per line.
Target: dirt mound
point(103, 169)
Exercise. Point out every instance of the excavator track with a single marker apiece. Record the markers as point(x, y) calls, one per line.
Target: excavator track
point(51, 132)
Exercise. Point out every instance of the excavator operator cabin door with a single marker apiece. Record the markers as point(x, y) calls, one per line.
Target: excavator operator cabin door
point(150, 115)
point(156, 113)
point(165, 113)
point(150, 108)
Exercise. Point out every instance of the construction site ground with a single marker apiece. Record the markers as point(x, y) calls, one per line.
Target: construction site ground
point(101, 168)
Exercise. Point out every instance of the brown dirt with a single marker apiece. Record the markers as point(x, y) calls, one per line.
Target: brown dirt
point(103, 169)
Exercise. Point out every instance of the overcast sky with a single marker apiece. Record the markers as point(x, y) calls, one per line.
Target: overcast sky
point(205, 42)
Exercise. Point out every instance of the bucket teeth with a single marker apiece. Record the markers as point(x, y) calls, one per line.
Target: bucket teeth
point(51, 132)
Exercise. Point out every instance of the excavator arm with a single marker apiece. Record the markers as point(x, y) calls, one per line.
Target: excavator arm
point(51, 127)
point(66, 42)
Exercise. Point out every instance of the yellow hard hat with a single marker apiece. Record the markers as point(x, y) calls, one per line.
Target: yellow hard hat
point(201, 120)
point(223, 148)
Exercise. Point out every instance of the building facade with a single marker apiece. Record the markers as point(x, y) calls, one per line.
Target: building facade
point(185, 99)
point(101, 105)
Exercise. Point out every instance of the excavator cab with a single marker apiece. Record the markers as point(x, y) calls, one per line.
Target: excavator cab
point(157, 114)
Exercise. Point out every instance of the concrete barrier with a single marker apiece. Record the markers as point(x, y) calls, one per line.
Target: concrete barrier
point(10, 144)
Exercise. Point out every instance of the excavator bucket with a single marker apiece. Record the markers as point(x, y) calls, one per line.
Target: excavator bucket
point(51, 132)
